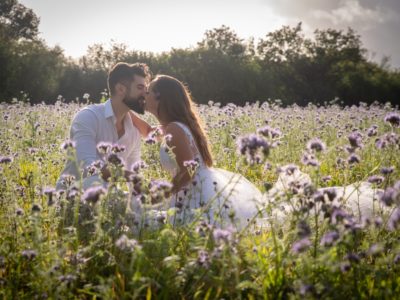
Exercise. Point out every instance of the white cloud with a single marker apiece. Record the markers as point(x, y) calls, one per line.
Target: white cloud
point(351, 12)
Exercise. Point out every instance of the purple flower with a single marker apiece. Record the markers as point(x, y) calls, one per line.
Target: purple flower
point(116, 148)
point(329, 238)
point(36, 208)
point(345, 267)
point(309, 160)
point(316, 145)
point(222, 235)
point(301, 245)
point(388, 139)
point(331, 193)
point(126, 244)
point(394, 220)
point(352, 257)
point(5, 159)
point(388, 196)
point(114, 159)
point(68, 144)
point(269, 132)
point(393, 118)
point(192, 165)
point(396, 259)
point(387, 170)
point(303, 230)
point(355, 139)
point(288, 169)
point(251, 145)
point(375, 249)
point(353, 159)
point(376, 179)
point(203, 259)
point(29, 254)
point(372, 131)
point(103, 147)
point(338, 215)
point(93, 194)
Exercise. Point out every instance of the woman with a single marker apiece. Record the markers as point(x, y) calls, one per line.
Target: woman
point(221, 197)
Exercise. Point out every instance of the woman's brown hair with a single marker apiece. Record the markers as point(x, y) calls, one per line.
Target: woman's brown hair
point(175, 105)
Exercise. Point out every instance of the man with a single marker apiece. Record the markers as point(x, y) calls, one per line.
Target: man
point(111, 122)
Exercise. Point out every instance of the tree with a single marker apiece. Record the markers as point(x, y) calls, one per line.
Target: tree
point(17, 21)
point(224, 40)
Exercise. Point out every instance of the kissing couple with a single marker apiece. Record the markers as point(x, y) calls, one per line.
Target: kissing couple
point(222, 196)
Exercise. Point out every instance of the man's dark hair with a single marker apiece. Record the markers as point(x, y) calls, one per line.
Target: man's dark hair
point(124, 73)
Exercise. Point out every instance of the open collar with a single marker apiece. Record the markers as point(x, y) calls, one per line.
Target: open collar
point(108, 111)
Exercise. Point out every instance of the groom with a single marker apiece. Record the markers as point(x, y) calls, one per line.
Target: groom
point(111, 122)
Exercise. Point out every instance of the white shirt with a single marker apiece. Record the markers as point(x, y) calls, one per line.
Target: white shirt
point(95, 124)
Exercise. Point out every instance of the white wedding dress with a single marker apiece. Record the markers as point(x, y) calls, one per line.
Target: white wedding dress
point(219, 197)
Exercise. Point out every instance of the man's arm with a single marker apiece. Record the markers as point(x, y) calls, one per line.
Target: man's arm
point(83, 133)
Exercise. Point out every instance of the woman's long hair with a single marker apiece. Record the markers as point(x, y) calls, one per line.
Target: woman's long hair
point(175, 105)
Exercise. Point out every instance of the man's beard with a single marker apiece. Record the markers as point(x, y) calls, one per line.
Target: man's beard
point(135, 104)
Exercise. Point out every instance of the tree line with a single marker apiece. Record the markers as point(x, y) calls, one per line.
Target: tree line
point(223, 67)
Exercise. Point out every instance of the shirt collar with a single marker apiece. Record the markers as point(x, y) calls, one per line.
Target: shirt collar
point(108, 111)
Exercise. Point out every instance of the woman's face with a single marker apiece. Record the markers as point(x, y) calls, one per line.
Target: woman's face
point(151, 100)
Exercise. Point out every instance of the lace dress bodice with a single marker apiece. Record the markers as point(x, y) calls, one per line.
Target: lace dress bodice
point(167, 157)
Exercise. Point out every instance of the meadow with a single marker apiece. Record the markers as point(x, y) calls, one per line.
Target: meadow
point(77, 246)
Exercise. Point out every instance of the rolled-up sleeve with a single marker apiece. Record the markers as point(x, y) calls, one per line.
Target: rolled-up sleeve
point(83, 133)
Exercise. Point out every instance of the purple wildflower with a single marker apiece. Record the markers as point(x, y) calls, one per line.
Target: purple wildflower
point(393, 118)
point(303, 230)
point(331, 193)
point(345, 267)
point(376, 179)
point(372, 131)
point(103, 147)
point(353, 258)
point(394, 220)
point(192, 165)
point(301, 245)
point(338, 214)
point(203, 259)
point(116, 148)
point(93, 194)
point(396, 259)
point(309, 160)
point(114, 159)
point(387, 170)
point(353, 159)
point(126, 244)
point(269, 132)
point(29, 254)
point(222, 235)
point(5, 159)
point(355, 139)
point(388, 196)
point(68, 144)
point(375, 249)
point(251, 145)
point(316, 145)
point(329, 238)
point(36, 208)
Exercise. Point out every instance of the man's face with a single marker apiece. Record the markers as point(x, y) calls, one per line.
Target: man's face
point(134, 96)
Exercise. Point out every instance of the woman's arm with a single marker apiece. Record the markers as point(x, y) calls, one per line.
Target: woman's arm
point(179, 145)
point(143, 127)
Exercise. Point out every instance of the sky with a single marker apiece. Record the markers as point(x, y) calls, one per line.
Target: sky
point(159, 25)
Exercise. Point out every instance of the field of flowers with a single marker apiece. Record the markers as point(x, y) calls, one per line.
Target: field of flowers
point(88, 245)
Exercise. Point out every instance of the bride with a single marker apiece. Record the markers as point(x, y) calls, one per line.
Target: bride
point(220, 197)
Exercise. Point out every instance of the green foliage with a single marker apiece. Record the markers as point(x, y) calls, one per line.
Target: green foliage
point(223, 67)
